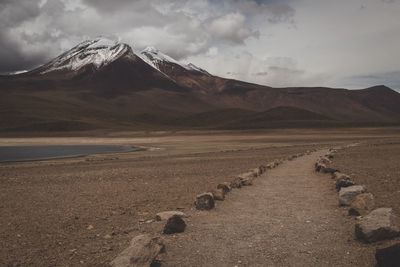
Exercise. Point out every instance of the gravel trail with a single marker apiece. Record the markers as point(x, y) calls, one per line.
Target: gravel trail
point(289, 217)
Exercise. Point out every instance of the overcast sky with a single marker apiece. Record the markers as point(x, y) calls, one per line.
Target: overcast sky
point(341, 43)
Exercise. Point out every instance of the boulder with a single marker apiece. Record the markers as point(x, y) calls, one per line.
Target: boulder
point(165, 215)
point(141, 252)
point(362, 204)
point(347, 194)
point(175, 224)
point(218, 194)
point(388, 256)
point(224, 187)
point(343, 182)
point(205, 201)
point(379, 224)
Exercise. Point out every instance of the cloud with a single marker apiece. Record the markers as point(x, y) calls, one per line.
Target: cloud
point(33, 32)
point(231, 27)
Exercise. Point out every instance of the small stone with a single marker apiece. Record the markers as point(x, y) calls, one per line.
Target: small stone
point(329, 170)
point(175, 224)
point(90, 227)
point(325, 160)
point(388, 256)
point(379, 225)
point(236, 183)
point(319, 166)
point(338, 175)
point(224, 187)
point(107, 236)
point(165, 215)
point(362, 204)
point(218, 194)
point(343, 182)
point(205, 201)
point(348, 194)
point(142, 251)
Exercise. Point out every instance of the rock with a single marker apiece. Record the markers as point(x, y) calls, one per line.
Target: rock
point(236, 183)
point(247, 181)
point(379, 225)
point(165, 215)
point(388, 256)
point(247, 175)
point(328, 170)
point(343, 182)
point(362, 204)
point(224, 187)
point(338, 175)
point(325, 160)
point(141, 252)
point(175, 224)
point(329, 155)
point(347, 194)
point(218, 194)
point(205, 201)
point(262, 169)
point(256, 172)
point(319, 166)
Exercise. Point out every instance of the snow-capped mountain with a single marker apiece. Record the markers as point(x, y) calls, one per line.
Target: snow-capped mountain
point(157, 59)
point(101, 52)
point(97, 53)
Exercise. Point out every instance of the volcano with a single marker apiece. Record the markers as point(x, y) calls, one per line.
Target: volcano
point(101, 84)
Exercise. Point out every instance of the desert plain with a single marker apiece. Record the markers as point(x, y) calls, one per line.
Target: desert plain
point(83, 211)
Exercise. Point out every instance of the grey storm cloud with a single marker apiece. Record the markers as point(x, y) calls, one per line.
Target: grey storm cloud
point(33, 31)
point(273, 42)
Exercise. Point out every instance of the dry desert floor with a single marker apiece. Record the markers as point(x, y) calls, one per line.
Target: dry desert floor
point(84, 211)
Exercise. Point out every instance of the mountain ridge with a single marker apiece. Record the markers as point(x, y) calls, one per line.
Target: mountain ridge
point(101, 84)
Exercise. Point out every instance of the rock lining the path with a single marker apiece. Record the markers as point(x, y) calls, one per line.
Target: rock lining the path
point(142, 251)
point(339, 175)
point(379, 224)
point(205, 201)
point(348, 194)
point(343, 182)
point(175, 224)
point(218, 194)
point(224, 187)
point(165, 215)
point(362, 204)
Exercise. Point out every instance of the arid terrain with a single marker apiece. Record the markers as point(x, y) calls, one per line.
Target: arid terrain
point(84, 211)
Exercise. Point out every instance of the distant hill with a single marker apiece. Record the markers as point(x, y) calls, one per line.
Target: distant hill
point(101, 84)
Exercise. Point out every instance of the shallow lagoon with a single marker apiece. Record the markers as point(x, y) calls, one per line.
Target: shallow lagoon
point(27, 153)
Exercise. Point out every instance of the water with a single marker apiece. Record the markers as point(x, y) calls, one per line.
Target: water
point(27, 153)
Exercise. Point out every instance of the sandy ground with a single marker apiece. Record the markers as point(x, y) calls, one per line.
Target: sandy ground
point(84, 211)
point(375, 164)
point(289, 217)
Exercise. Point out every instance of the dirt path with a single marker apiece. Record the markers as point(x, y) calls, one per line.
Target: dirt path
point(289, 217)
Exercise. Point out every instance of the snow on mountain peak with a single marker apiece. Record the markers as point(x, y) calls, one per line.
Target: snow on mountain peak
point(156, 58)
point(98, 52)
